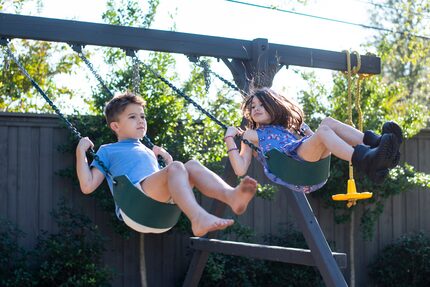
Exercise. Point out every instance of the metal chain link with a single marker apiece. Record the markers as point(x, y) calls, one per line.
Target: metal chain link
point(205, 65)
point(78, 50)
point(195, 104)
point(136, 76)
point(69, 125)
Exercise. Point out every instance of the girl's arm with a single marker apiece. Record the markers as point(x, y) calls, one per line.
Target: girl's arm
point(239, 161)
point(306, 129)
point(89, 179)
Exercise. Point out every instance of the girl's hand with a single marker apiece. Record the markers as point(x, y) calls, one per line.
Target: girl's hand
point(232, 132)
point(84, 145)
point(159, 151)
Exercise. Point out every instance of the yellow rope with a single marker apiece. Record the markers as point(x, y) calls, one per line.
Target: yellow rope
point(349, 76)
point(357, 104)
point(350, 72)
point(352, 196)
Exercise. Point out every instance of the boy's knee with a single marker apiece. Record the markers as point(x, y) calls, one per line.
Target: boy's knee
point(192, 164)
point(177, 167)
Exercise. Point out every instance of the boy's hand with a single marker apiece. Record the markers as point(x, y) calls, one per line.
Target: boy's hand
point(163, 153)
point(84, 145)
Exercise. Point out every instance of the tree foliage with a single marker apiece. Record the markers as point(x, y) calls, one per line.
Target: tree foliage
point(405, 52)
point(44, 61)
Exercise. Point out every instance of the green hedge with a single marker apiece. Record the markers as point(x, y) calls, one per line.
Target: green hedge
point(404, 263)
point(71, 257)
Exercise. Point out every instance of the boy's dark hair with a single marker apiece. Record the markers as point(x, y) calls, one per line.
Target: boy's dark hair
point(118, 104)
point(283, 111)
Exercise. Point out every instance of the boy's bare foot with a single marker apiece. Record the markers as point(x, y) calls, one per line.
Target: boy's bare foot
point(242, 194)
point(207, 222)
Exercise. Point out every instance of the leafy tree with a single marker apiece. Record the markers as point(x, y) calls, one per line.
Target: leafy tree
point(16, 92)
point(405, 52)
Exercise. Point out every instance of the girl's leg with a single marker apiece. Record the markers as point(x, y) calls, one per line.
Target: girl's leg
point(347, 133)
point(354, 137)
point(373, 162)
point(324, 140)
point(211, 185)
point(173, 181)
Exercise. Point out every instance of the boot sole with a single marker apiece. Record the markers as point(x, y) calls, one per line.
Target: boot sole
point(386, 154)
point(393, 128)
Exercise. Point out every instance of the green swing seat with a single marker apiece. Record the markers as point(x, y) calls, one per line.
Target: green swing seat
point(297, 172)
point(141, 208)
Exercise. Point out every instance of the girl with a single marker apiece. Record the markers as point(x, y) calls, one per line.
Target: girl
point(272, 122)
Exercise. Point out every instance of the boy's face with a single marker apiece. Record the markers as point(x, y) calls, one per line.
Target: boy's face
point(131, 123)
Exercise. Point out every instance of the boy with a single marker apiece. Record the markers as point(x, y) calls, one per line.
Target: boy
point(174, 183)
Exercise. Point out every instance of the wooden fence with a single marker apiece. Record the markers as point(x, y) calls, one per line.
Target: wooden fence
point(31, 187)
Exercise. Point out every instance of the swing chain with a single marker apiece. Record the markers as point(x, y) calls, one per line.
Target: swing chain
point(205, 65)
point(135, 75)
point(6, 59)
point(182, 94)
point(195, 104)
point(78, 50)
point(206, 73)
point(69, 125)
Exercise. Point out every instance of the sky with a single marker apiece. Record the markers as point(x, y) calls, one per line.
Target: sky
point(235, 20)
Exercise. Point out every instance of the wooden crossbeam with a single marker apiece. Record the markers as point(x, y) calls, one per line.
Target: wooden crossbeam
point(87, 33)
point(264, 252)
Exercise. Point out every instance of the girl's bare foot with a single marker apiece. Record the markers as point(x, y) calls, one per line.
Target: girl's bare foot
point(206, 222)
point(242, 194)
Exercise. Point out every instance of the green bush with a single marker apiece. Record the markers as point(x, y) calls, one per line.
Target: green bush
point(71, 257)
point(13, 259)
point(404, 263)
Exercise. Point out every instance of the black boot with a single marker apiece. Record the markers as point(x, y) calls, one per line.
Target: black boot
point(374, 162)
point(371, 139)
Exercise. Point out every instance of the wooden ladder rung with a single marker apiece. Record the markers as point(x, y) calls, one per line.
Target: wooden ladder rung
point(265, 252)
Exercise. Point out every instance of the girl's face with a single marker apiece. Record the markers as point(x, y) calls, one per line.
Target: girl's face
point(259, 113)
point(131, 123)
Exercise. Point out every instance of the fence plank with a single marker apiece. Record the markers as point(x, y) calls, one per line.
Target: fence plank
point(412, 197)
point(4, 160)
point(46, 177)
point(12, 175)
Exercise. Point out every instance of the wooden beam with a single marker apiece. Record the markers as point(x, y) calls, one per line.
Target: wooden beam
point(86, 33)
point(264, 252)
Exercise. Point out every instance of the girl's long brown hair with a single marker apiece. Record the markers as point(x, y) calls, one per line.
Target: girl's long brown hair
point(283, 111)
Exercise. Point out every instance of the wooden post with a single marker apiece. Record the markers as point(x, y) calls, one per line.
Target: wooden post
point(143, 278)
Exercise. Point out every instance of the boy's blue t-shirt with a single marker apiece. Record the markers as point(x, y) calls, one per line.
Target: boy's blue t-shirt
point(126, 157)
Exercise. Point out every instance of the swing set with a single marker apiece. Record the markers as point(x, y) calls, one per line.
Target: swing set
point(243, 66)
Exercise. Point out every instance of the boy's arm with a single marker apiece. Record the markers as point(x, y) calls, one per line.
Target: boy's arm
point(159, 151)
point(89, 179)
